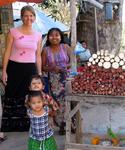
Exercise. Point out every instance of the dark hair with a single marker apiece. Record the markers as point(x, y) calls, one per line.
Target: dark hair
point(37, 77)
point(27, 8)
point(50, 31)
point(32, 94)
point(83, 42)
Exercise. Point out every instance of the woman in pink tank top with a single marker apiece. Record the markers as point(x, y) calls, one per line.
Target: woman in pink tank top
point(22, 59)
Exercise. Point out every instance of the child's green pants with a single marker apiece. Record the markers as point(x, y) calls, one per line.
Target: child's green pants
point(47, 144)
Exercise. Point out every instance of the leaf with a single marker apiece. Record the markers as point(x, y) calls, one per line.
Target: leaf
point(111, 134)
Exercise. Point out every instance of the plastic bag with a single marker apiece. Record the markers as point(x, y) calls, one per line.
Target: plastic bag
point(84, 54)
point(79, 49)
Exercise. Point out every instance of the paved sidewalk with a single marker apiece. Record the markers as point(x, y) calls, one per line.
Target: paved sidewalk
point(18, 141)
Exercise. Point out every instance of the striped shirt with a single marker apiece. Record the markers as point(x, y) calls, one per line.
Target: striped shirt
point(39, 129)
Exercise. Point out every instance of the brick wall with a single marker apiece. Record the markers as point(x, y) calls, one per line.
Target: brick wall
point(6, 18)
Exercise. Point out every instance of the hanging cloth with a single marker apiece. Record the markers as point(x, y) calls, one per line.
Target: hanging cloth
point(6, 2)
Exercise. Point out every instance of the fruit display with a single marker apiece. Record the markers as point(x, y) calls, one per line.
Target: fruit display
point(105, 79)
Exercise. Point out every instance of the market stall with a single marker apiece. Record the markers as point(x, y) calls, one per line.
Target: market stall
point(98, 96)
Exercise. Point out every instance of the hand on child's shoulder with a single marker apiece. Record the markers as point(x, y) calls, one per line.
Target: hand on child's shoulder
point(58, 105)
point(52, 113)
point(26, 102)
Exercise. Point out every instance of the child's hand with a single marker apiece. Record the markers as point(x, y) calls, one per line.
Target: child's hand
point(26, 102)
point(51, 122)
point(56, 106)
point(45, 103)
point(57, 69)
point(52, 113)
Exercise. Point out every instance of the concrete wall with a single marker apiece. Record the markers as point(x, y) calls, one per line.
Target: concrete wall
point(98, 113)
point(86, 28)
point(98, 118)
point(6, 22)
point(109, 32)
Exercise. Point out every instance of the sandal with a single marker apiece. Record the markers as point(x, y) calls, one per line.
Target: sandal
point(62, 130)
point(3, 138)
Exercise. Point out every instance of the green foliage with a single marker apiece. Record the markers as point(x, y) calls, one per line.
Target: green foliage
point(57, 9)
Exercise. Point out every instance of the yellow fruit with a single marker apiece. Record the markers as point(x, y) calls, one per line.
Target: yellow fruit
point(115, 141)
point(95, 140)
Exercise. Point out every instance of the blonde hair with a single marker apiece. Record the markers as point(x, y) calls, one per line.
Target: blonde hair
point(27, 8)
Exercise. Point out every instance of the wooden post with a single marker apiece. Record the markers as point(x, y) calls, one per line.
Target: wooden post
point(73, 21)
point(0, 111)
point(96, 29)
point(73, 34)
point(68, 124)
point(79, 127)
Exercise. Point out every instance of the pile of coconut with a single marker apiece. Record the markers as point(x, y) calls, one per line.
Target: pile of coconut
point(104, 59)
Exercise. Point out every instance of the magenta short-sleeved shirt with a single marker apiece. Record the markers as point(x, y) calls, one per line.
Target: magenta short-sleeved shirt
point(24, 46)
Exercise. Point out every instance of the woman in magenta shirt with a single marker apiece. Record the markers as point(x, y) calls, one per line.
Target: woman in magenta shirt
point(22, 59)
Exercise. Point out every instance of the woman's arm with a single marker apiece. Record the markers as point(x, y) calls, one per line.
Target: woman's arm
point(69, 51)
point(44, 62)
point(51, 102)
point(38, 57)
point(7, 56)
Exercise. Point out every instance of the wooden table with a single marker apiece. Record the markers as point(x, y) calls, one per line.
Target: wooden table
point(80, 100)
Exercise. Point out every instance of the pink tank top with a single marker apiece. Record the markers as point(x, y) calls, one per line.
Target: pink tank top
point(24, 46)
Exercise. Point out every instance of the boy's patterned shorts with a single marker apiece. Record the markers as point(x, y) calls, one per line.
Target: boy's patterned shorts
point(48, 144)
